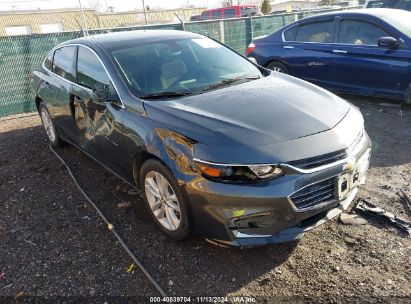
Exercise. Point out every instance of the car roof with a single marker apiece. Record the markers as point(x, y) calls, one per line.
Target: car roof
point(115, 39)
point(374, 12)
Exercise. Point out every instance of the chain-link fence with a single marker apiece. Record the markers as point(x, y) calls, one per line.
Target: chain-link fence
point(21, 54)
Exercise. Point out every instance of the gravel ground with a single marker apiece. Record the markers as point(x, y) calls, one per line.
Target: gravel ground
point(54, 246)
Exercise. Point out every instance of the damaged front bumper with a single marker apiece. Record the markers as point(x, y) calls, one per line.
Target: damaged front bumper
point(274, 211)
point(291, 233)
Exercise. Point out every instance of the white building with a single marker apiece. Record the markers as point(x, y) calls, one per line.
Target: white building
point(292, 5)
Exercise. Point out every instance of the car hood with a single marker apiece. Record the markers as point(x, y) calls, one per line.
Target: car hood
point(269, 110)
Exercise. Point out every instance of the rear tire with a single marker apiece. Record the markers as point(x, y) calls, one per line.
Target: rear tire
point(49, 126)
point(279, 67)
point(164, 200)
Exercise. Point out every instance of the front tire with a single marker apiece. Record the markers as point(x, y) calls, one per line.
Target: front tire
point(164, 200)
point(49, 126)
point(279, 67)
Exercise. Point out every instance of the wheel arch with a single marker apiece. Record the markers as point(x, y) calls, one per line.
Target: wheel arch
point(38, 100)
point(139, 159)
point(276, 59)
point(171, 149)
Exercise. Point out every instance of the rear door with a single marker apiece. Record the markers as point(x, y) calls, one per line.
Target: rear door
point(56, 88)
point(364, 67)
point(307, 50)
point(97, 111)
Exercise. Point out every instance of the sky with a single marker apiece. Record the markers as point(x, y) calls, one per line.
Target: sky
point(119, 5)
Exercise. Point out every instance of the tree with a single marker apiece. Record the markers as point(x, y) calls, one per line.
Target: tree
point(266, 7)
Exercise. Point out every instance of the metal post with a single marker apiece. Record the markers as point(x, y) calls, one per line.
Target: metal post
point(251, 27)
point(85, 30)
point(222, 33)
point(144, 10)
point(181, 21)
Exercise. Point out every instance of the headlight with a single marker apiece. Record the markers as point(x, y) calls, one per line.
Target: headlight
point(239, 173)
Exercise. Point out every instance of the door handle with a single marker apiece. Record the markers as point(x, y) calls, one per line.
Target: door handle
point(288, 47)
point(339, 52)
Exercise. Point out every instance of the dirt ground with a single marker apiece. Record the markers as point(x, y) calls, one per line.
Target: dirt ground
point(54, 247)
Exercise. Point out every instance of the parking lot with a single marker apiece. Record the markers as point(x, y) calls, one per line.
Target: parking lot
point(54, 246)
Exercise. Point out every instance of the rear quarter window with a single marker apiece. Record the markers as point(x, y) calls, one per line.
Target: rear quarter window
point(289, 34)
point(320, 32)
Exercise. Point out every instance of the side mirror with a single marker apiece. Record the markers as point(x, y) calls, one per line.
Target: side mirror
point(388, 42)
point(102, 91)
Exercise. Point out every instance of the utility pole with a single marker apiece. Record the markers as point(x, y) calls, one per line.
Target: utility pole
point(144, 10)
point(85, 30)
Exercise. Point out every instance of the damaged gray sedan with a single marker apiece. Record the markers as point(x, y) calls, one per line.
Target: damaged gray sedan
point(218, 146)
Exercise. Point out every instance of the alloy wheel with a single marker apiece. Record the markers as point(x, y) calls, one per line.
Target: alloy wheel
point(162, 200)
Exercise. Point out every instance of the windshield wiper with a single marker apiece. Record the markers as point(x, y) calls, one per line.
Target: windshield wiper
point(165, 94)
point(226, 82)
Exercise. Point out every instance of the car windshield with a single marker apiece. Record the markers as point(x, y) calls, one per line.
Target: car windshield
point(401, 20)
point(180, 67)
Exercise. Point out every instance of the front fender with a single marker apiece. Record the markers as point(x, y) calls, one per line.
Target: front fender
point(144, 138)
point(175, 151)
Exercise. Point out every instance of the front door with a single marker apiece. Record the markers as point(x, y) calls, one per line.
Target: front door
point(363, 66)
point(97, 112)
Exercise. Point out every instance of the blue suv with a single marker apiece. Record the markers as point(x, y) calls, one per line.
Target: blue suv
point(367, 52)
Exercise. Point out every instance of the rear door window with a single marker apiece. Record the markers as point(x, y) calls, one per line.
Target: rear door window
point(64, 63)
point(320, 32)
point(360, 33)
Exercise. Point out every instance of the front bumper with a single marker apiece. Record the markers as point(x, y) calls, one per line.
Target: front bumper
point(291, 233)
point(262, 213)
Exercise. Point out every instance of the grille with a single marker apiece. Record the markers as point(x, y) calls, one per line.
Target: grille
point(329, 158)
point(317, 161)
point(314, 195)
